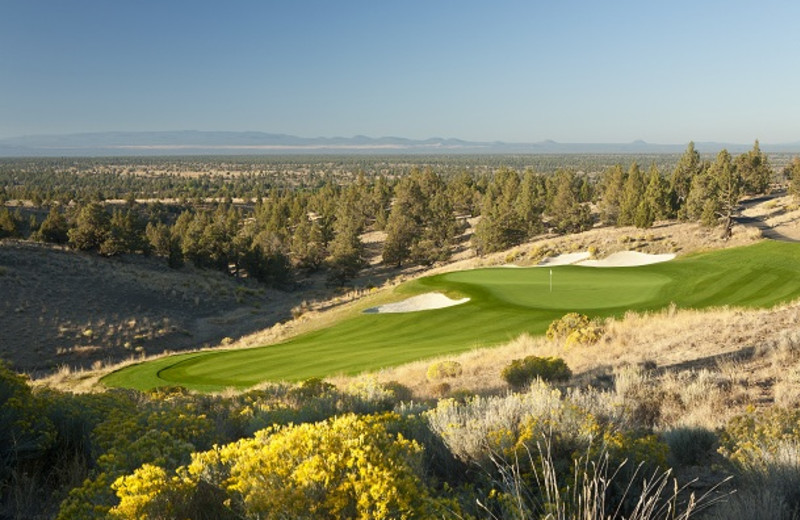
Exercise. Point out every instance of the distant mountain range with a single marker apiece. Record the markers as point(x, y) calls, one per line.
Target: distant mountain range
point(260, 143)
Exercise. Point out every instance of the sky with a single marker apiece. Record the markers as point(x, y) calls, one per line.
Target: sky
point(514, 71)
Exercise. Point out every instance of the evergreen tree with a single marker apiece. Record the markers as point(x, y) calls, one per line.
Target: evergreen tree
point(308, 250)
point(265, 260)
point(702, 192)
point(462, 191)
point(381, 197)
point(500, 225)
point(613, 185)
point(91, 227)
point(754, 169)
point(421, 225)
point(793, 173)
point(689, 166)
point(164, 243)
point(654, 204)
point(346, 251)
point(406, 219)
point(631, 196)
point(123, 235)
point(54, 228)
point(715, 194)
point(439, 229)
point(531, 202)
point(9, 227)
point(567, 214)
point(730, 184)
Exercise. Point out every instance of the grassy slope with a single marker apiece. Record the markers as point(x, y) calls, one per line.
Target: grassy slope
point(504, 303)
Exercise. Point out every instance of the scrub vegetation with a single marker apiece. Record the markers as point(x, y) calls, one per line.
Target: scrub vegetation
point(665, 391)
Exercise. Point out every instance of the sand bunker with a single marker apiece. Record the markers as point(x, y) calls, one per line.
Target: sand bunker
point(565, 259)
point(627, 259)
point(423, 302)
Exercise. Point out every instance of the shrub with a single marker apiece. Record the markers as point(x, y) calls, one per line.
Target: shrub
point(584, 336)
point(689, 445)
point(441, 389)
point(444, 370)
point(311, 388)
point(765, 447)
point(347, 467)
point(562, 327)
point(521, 372)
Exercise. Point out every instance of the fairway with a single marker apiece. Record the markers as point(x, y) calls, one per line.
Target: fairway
point(503, 304)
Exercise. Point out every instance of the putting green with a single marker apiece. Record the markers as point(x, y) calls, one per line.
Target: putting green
point(503, 304)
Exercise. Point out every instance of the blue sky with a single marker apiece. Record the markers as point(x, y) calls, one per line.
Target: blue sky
point(571, 71)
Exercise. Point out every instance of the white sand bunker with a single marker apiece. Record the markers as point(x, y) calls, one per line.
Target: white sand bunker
point(565, 259)
point(423, 302)
point(627, 259)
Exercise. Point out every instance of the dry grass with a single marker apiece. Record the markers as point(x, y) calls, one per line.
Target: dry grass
point(704, 366)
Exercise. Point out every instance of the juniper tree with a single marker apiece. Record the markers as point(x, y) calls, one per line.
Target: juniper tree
point(54, 228)
point(689, 166)
point(631, 196)
point(500, 226)
point(613, 184)
point(654, 203)
point(754, 169)
point(531, 202)
point(91, 227)
point(567, 214)
point(793, 173)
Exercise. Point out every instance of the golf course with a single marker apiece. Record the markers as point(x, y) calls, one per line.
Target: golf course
point(503, 303)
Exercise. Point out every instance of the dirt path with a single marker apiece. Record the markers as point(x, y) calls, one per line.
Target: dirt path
point(763, 213)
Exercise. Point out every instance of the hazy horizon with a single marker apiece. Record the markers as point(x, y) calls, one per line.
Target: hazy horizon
point(516, 72)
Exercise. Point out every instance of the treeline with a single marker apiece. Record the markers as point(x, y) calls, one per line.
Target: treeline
point(45, 180)
point(284, 231)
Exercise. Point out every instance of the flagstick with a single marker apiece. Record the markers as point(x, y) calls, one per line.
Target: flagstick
point(551, 280)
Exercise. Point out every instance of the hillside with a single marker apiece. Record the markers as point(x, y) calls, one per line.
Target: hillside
point(709, 394)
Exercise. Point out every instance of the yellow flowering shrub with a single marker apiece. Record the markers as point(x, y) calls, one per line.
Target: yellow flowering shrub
point(575, 329)
point(346, 467)
point(747, 438)
point(444, 369)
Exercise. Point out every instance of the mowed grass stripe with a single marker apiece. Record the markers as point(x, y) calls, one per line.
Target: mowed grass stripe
point(504, 303)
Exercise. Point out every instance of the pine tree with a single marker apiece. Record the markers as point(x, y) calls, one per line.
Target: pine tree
point(730, 184)
point(381, 197)
point(531, 202)
point(500, 225)
point(163, 242)
point(54, 228)
point(567, 214)
point(125, 235)
point(754, 169)
point(308, 250)
point(421, 225)
point(793, 173)
point(462, 191)
point(702, 191)
point(9, 226)
point(401, 230)
point(346, 251)
point(715, 194)
point(689, 166)
point(654, 204)
point(406, 219)
point(91, 227)
point(632, 194)
point(613, 185)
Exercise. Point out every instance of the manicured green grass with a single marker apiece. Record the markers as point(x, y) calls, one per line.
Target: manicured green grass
point(503, 304)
